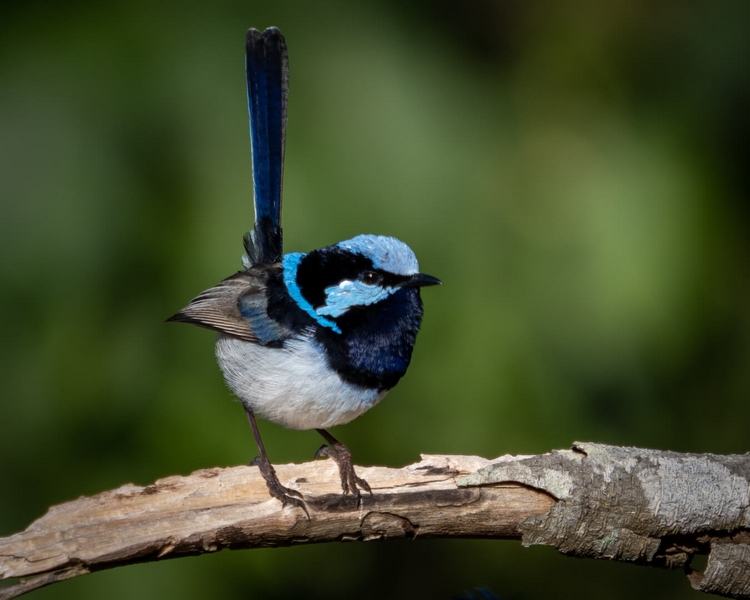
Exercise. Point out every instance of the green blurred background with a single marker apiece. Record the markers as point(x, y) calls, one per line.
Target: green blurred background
point(575, 173)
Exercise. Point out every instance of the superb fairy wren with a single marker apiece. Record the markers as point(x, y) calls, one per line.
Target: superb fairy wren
point(312, 340)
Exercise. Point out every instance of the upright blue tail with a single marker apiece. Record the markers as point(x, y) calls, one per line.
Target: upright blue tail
point(267, 69)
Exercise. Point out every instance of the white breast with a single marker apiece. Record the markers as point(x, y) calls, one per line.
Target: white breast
point(291, 386)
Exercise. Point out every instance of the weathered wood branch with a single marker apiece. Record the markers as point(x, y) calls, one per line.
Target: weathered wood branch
point(597, 501)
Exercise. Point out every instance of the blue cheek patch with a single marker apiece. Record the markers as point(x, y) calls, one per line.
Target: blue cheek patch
point(290, 263)
point(341, 297)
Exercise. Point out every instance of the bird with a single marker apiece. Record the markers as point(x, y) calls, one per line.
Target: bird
point(306, 340)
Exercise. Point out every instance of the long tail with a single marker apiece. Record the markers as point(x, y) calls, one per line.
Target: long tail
point(267, 69)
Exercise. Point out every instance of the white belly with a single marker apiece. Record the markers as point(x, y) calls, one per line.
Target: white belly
point(291, 386)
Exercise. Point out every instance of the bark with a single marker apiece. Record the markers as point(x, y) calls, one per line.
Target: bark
point(644, 506)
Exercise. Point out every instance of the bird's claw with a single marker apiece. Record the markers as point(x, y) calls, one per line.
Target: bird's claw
point(350, 482)
point(278, 491)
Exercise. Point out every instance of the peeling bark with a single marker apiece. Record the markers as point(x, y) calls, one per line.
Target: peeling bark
point(595, 501)
point(642, 506)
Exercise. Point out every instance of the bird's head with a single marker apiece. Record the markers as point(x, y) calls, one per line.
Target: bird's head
point(361, 272)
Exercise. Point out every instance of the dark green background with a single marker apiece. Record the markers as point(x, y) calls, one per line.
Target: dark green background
point(575, 173)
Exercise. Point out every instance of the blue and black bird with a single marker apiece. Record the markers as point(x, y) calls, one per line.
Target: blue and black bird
point(312, 340)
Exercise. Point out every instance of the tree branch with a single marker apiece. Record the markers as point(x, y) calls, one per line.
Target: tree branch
point(596, 501)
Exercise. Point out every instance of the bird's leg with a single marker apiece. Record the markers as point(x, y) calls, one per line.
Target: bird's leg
point(275, 488)
point(343, 458)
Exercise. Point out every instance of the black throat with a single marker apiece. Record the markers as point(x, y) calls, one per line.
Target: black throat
point(374, 347)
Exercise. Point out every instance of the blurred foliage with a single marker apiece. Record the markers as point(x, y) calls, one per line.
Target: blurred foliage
point(575, 172)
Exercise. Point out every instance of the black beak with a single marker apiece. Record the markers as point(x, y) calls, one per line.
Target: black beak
point(421, 280)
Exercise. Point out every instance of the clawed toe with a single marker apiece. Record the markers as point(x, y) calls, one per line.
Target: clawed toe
point(278, 491)
point(359, 482)
point(323, 452)
point(291, 497)
point(350, 483)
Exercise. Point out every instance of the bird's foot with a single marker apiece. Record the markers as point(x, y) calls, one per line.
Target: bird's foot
point(350, 483)
point(278, 491)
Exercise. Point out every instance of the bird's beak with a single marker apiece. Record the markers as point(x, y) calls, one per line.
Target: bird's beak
point(421, 280)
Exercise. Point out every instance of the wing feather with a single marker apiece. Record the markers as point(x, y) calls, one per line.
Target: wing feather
point(217, 308)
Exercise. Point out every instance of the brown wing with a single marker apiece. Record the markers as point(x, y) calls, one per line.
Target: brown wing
point(217, 308)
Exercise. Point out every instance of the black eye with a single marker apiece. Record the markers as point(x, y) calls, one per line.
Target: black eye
point(371, 278)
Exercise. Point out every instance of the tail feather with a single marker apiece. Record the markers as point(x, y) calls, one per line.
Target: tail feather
point(267, 69)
